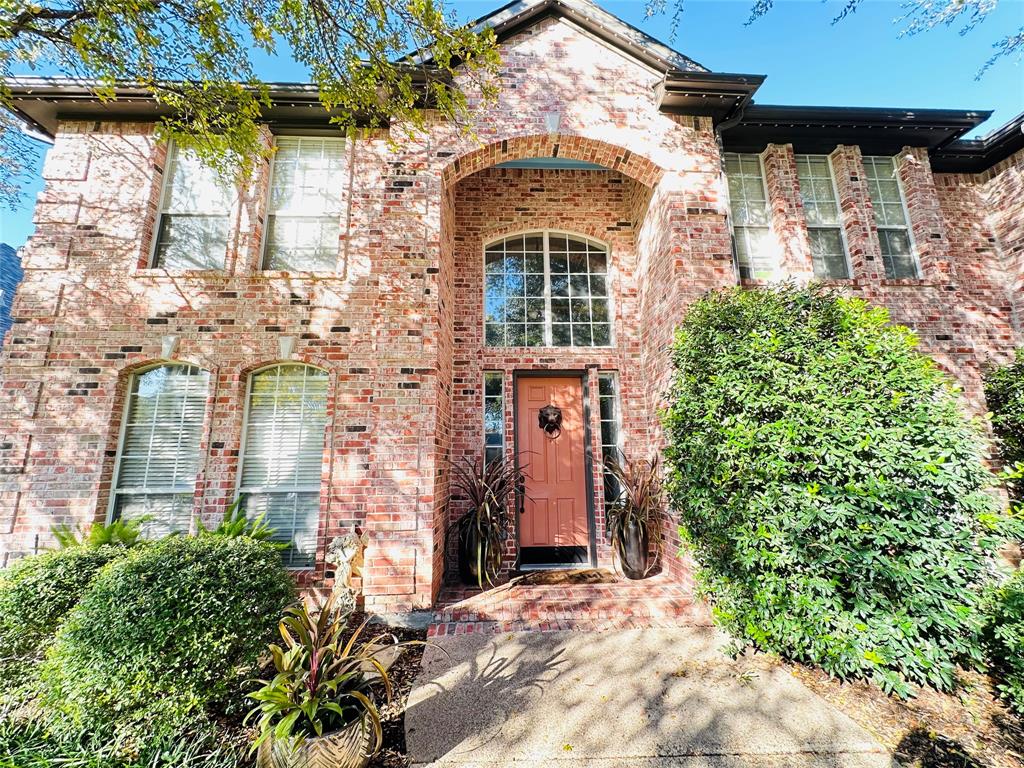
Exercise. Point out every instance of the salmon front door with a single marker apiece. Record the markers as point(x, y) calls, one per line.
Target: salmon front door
point(551, 438)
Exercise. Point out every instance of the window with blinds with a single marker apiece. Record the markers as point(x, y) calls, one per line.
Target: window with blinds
point(305, 207)
point(821, 209)
point(748, 201)
point(192, 228)
point(158, 458)
point(282, 455)
point(890, 217)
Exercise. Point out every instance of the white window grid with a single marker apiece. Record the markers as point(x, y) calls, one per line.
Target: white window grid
point(751, 220)
point(174, 431)
point(610, 413)
point(290, 502)
point(194, 213)
point(547, 288)
point(822, 214)
point(494, 415)
point(305, 204)
point(891, 217)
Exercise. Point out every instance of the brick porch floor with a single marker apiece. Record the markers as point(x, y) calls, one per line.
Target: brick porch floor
point(515, 607)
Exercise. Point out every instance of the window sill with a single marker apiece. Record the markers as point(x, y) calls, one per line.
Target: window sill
point(547, 348)
point(905, 282)
point(299, 273)
point(161, 272)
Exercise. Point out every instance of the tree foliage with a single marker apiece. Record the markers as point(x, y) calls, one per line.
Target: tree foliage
point(197, 59)
point(834, 495)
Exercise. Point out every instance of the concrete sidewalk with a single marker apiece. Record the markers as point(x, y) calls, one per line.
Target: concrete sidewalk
point(622, 699)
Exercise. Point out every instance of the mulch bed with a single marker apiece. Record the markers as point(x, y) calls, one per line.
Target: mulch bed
point(967, 729)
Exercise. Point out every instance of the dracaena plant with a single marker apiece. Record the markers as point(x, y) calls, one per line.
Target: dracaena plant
point(323, 682)
point(490, 489)
point(638, 503)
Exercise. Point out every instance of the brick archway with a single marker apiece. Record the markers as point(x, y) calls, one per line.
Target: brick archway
point(567, 146)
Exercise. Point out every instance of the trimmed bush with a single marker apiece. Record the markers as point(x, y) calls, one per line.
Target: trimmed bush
point(831, 489)
point(1004, 391)
point(1004, 635)
point(165, 633)
point(36, 593)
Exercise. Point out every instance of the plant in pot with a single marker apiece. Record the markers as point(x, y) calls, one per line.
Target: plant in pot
point(635, 516)
point(320, 708)
point(490, 489)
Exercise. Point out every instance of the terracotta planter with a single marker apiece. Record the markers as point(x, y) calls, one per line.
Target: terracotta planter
point(633, 550)
point(347, 748)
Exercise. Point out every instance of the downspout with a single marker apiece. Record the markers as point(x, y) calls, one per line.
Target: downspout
point(732, 119)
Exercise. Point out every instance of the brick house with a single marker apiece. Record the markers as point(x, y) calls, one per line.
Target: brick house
point(324, 340)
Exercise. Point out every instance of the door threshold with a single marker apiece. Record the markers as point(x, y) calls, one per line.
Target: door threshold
point(552, 566)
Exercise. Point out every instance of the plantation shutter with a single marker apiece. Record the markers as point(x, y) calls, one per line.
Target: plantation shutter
point(159, 453)
point(283, 455)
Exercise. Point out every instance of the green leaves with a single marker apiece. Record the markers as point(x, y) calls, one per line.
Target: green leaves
point(196, 61)
point(833, 493)
point(324, 680)
point(1004, 639)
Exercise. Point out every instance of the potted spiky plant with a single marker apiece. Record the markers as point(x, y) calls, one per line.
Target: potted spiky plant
point(635, 516)
point(320, 708)
point(490, 489)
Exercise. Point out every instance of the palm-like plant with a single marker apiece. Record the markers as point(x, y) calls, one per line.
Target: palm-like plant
point(324, 682)
point(490, 489)
point(638, 507)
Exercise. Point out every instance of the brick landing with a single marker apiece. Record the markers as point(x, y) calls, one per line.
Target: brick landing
point(515, 607)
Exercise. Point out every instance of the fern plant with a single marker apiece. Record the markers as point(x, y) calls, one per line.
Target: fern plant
point(119, 533)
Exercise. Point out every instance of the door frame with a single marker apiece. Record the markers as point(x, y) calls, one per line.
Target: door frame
point(588, 464)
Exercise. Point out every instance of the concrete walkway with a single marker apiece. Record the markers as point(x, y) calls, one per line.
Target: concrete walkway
point(622, 699)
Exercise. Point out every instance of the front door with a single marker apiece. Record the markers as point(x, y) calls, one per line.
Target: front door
point(553, 526)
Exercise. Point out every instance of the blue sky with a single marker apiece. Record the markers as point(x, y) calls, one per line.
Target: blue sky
point(861, 61)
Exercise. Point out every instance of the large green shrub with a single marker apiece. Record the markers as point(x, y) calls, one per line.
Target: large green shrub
point(166, 633)
point(1004, 392)
point(36, 593)
point(1004, 635)
point(832, 491)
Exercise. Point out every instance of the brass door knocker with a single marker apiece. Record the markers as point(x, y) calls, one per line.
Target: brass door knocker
point(550, 418)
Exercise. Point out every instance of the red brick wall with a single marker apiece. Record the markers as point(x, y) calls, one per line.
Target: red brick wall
point(398, 325)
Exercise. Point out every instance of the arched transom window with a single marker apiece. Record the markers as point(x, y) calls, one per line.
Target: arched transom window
point(282, 455)
point(546, 289)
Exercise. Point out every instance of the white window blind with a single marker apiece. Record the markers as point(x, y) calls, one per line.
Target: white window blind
point(748, 201)
point(546, 289)
point(891, 217)
point(286, 417)
point(159, 453)
point(824, 224)
point(192, 229)
point(303, 223)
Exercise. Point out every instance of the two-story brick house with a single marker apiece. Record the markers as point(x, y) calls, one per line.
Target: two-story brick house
point(325, 340)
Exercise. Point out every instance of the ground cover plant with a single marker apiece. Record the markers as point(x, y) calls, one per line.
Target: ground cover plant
point(830, 486)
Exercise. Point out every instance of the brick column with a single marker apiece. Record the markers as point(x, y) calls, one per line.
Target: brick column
point(929, 232)
point(857, 214)
point(787, 212)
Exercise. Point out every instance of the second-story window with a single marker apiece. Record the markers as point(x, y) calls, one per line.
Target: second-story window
point(305, 206)
point(824, 224)
point(891, 218)
point(748, 200)
point(195, 207)
point(546, 289)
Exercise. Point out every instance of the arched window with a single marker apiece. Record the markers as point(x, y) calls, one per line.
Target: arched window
point(546, 289)
point(158, 455)
point(282, 455)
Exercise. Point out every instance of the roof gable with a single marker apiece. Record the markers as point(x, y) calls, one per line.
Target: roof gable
point(522, 14)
